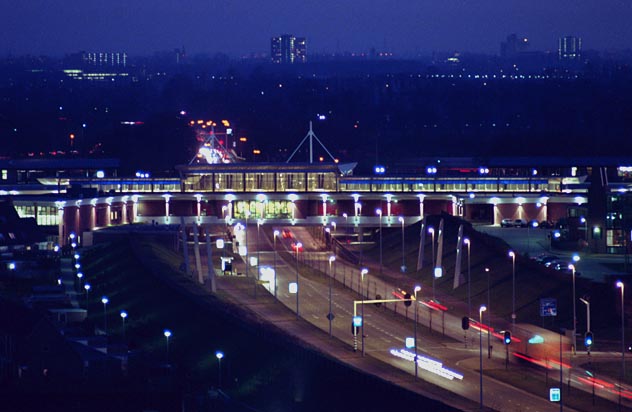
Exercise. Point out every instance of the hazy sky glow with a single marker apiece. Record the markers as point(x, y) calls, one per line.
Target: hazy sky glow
point(243, 26)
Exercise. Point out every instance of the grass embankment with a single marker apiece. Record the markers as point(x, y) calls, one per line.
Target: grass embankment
point(260, 366)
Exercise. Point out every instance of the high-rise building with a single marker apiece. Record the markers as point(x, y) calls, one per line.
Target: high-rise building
point(570, 48)
point(288, 49)
point(99, 59)
point(513, 45)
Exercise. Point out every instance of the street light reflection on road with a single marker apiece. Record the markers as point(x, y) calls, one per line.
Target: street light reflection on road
point(428, 364)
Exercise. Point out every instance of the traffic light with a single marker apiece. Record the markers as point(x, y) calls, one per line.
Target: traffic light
point(465, 323)
point(588, 339)
point(408, 300)
point(378, 297)
point(507, 337)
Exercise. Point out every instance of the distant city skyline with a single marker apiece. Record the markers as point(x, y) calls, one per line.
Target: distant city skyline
point(242, 27)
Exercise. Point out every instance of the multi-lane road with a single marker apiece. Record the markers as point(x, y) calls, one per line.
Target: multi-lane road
point(449, 357)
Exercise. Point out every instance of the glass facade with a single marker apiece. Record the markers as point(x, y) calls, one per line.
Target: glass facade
point(271, 209)
point(45, 215)
point(618, 223)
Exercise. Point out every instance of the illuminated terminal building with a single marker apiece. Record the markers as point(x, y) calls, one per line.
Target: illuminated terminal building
point(81, 196)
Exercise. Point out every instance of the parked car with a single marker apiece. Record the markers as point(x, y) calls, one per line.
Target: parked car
point(507, 223)
point(556, 264)
point(545, 224)
point(520, 223)
point(543, 258)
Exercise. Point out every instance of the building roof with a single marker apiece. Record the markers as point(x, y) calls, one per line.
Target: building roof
point(244, 167)
point(560, 160)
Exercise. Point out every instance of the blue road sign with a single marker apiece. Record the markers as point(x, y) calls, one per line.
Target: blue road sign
point(548, 307)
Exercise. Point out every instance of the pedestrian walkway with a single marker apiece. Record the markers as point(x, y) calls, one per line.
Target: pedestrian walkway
point(69, 281)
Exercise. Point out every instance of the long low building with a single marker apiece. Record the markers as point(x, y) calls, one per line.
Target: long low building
point(591, 193)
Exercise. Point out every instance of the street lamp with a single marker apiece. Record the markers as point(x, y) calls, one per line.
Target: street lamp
point(417, 289)
point(363, 272)
point(259, 223)
point(80, 277)
point(489, 315)
point(276, 233)
point(123, 317)
point(432, 233)
point(247, 249)
point(622, 287)
point(379, 213)
point(469, 279)
point(512, 255)
point(482, 309)
point(330, 315)
point(167, 334)
point(105, 301)
point(87, 288)
point(219, 355)
point(587, 303)
point(403, 268)
point(572, 268)
point(299, 245)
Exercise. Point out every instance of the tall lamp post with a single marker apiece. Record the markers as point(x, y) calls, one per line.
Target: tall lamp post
point(259, 223)
point(403, 268)
point(79, 279)
point(572, 268)
point(219, 355)
point(299, 245)
point(379, 214)
point(512, 255)
point(247, 249)
point(489, 315)
point(622, 287)
point(432, 233)
point(87, 288)
point(123, 317)
point(330, 315)
point(276, 234)
point(417, 289)
point(482, 309)
point(363, 272)
point(469, 279)
point(105, 301)
point(167, 334)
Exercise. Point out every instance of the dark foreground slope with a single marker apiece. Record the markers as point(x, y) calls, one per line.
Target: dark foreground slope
point(262, 369)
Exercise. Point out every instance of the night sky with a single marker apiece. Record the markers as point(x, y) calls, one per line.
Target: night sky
point(239, 27)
